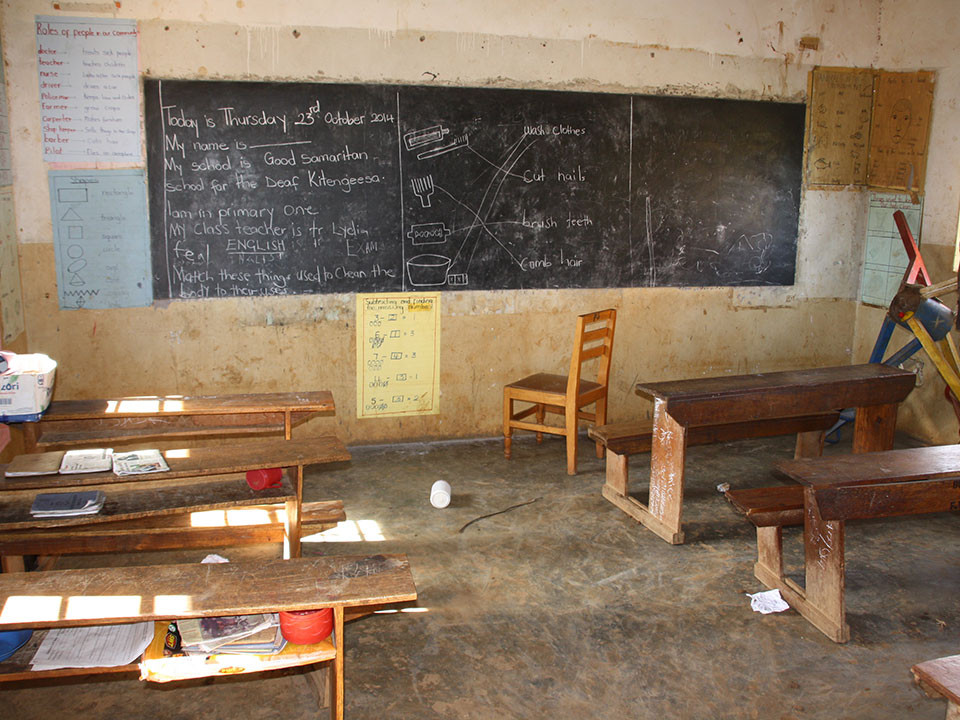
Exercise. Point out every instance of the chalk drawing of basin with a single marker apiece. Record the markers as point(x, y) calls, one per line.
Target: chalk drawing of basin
point(428, 269)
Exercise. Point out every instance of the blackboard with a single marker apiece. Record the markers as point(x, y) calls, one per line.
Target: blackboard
point(284, 188)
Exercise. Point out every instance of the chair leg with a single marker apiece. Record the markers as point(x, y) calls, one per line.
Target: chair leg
point(507, 413)
point(541, 415)
point(571, 433)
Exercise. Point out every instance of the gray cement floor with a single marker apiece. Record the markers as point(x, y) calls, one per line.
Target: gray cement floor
point(567, 608)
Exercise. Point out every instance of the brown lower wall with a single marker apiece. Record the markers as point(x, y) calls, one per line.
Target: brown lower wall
point(488, 339)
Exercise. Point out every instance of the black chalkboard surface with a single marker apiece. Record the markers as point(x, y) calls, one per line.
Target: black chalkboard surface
point(281, 188)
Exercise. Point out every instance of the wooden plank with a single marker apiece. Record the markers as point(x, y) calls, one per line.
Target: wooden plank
point(167, 405)
point(916, 497)
point(149, 499)
point(923, 463)
point(769, 506)
point(941, 675)
point(171, 532)
point(133, 594)
point(167, 431)
point(739, 398)
point(265, 453)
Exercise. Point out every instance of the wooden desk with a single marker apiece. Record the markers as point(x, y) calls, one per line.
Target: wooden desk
point(875, 390)
point(940, 678)
point(198, 480)
point(848, 487)
point(108, 421)
point(169, 592)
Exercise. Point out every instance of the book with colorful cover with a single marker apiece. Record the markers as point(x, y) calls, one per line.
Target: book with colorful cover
point(139, 462)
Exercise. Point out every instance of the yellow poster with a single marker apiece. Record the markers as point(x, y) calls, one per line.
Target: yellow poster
point(398, 354)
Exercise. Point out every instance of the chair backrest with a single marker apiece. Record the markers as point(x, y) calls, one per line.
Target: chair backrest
point(593, 341)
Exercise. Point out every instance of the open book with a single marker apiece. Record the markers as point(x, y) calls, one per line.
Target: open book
point(137, 462)
point(86, 461)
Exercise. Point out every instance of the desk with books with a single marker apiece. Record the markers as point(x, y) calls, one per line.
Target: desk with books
point(348, 584)
point(159, 510)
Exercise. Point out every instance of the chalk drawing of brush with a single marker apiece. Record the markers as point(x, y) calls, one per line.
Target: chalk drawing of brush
point(423, 189)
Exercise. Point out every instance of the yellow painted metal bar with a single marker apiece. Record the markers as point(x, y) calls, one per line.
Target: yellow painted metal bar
point(946, 368)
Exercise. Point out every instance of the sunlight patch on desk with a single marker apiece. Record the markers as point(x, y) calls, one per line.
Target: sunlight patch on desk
point(177, 453)
point(29, 608)
point(82, 607)
point(349, 531)
point(138, 405)
point(236, 518)
point(172, 405)
point(393, 611)
point(172, 604)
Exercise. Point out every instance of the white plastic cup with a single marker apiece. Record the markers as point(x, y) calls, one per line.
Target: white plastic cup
point(440, 494)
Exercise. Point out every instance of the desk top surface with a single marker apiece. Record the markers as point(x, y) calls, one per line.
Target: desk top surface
point(187, 462)
point(65, 598)
point(734, 398)
point(906, 465)
point(173, 405)
point(732, 385)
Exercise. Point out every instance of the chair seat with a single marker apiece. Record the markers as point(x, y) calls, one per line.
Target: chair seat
point(547, 382)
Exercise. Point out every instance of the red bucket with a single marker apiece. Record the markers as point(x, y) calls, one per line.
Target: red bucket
point(266, 478)
point(305, 627)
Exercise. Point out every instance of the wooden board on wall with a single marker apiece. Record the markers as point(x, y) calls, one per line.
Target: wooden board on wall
point(900, 131)
point(838, 126)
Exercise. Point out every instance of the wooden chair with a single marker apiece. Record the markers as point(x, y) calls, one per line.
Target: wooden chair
point(566, 395)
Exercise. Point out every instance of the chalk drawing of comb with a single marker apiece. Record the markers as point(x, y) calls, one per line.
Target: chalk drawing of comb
point(423, 189)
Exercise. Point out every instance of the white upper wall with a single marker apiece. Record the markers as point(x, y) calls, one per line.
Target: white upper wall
point(739, 48)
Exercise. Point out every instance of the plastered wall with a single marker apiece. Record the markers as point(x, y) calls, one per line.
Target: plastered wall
point(743, 49)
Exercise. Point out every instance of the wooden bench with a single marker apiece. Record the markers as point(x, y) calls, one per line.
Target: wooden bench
point(171, 592)
point(621, 440)
point(149, 511)
point(831, 491)
point(744, 406)
point(940, 678)
point(110, 421)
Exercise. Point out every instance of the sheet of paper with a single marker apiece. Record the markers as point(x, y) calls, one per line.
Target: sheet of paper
point(900, 128)
point(11, 292)
point(101, 239)
point(768, 601)
point(398, 354)
point(838, 126)
point(96, 646)
point(884, 258)
point(6, 172)
point(89, 89)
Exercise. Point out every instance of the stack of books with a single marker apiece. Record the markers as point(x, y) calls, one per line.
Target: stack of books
point(246, 634)
point(67, 504)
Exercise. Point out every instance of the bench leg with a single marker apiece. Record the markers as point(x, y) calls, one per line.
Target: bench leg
point(663, 513)
point(809, 444)
point(291, 525)
point(12, 563)
point(507, 430)
point(769, 566)
point(336, 698)
point(617, 473)
point(824, 563)
point(874, 427)
point(541, 416)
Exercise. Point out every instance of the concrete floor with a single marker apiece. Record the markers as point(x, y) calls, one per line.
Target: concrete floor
point(567, 608)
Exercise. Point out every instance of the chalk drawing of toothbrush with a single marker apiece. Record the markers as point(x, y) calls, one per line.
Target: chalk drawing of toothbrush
point(423, 189)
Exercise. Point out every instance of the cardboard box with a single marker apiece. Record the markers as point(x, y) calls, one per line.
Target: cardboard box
point(26, 386)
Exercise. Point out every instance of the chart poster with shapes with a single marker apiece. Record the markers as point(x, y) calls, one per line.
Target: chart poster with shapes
point(398, 354)
point(900, 127)
point(838, 126)
point(885, 259)
point(100, 238)
point(89, 89)
point(11, 293)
